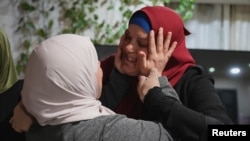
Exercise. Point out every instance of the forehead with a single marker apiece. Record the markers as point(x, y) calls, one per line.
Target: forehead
point(136, 31)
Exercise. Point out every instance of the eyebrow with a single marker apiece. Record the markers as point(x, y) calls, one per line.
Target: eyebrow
point(142, 38)
point(138, 38)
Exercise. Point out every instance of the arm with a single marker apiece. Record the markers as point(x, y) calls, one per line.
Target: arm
point(167, 88)
point(166, 110)
point(188, 121)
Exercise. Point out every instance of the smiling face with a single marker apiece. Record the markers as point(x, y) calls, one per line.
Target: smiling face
point(136, 40)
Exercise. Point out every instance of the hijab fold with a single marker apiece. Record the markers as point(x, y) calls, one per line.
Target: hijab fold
point(60, 84)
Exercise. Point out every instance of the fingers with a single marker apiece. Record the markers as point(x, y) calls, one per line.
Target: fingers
point(171, 50)
point(167, 49)
point(16, 129)
point(167, 42)
point(142, 60)
point(160, 40)
point(152, 46)
point(162, 45)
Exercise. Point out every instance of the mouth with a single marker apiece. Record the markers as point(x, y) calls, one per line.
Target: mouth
point(129, 58)
point(129, 62)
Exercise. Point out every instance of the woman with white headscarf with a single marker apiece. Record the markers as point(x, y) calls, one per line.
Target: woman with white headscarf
point(61, 88)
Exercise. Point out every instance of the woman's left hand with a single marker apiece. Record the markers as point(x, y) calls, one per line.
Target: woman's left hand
point(21, 120)
point(158, 53)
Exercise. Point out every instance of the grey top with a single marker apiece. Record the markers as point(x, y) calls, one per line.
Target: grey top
point(167, 89)
point(104, 128)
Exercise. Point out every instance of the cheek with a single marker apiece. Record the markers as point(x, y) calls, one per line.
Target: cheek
point(123, 43)
point(99, 82)
point(126, 47)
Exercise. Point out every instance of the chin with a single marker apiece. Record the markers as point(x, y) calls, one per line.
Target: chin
point(130, 71)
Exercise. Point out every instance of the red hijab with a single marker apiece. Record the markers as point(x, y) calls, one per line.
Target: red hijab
point(180, 60)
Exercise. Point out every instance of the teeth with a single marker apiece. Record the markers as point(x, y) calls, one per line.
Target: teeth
point(131, 59)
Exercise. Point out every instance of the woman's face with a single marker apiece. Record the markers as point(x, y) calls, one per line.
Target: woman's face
point(135, 40)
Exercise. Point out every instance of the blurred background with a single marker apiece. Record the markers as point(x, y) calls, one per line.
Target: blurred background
point(219, 40)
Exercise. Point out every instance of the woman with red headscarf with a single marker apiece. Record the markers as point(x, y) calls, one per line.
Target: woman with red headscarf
point(138, 51)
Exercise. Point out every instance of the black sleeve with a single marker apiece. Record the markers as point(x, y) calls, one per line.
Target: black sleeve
point(188, 121)
point(8, 101)
point(180, 121)
point(114, 89)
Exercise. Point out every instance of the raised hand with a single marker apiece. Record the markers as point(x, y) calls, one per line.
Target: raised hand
point(159, 53)
point(147, 83)
point(118, 55)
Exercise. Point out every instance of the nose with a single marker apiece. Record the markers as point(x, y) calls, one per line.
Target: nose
point(131, 47)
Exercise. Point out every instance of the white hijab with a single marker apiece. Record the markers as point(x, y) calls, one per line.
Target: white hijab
point(60, 83)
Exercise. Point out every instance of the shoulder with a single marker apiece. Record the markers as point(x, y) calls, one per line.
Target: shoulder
point(16, 88)
point(197, 69)
point(109, 61)
point(197, 72)
point(123, 128)
point(195, 77)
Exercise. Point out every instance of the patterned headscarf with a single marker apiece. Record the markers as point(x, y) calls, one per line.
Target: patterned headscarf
point(60, 83)
point(8, 75)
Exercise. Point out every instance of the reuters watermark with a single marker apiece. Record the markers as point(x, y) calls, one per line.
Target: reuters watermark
point(241, 132)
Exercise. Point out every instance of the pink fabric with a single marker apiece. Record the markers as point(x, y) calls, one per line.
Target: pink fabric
point(60, 83)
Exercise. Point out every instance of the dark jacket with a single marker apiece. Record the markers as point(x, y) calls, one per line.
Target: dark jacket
point(200, 105)
point(8, 100)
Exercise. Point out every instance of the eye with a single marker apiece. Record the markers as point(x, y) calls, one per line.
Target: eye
point(143, 43)
point(127, 36)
